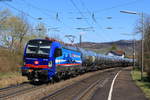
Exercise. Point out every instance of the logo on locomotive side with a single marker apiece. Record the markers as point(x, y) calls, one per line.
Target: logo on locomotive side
point(74, 55)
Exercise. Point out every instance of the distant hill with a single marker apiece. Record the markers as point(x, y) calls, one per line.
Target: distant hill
point(125, 45)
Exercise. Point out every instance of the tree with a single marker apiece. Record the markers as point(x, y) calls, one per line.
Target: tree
point(24, 28)
point(4, 14)
point(15, 30)
point(146, 28)
point(40, 30)
point(147, 45)
point(114, 47)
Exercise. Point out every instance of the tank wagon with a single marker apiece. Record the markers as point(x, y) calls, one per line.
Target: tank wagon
point(49, 59)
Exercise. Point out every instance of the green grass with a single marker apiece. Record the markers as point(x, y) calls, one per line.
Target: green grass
point(144, 84)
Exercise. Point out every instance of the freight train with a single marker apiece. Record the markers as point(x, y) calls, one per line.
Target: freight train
point(49, 59)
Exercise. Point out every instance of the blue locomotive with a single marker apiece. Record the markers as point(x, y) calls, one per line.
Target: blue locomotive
point(49, 59)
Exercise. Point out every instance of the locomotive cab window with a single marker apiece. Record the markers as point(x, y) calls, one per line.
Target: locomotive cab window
point(58, 52)
point(38, 48)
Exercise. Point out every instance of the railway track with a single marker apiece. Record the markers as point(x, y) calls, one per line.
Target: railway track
point(76, 91)
point(88, 92)
point(13, 86)
point(81, 89)
point(9, 92)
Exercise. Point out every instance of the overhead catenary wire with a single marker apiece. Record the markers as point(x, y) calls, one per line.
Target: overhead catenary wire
point(99, 26)
point(112, 7)
point(90, 14)
point(58, 14)
point(117, 6)
point(105, 9)
point(109, 8)
point(45, 12)
point(82, 3)
point(39, 8)
point(93, 18)
point(80, 11)
point(34, 18)
point(73, 3)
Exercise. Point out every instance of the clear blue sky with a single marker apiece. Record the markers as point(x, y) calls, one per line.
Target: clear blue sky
point(63, 14)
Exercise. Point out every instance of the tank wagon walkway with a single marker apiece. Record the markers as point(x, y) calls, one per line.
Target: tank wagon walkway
point(124, 88)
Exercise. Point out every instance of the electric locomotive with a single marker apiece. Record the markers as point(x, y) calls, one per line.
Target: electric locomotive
point(46, 59)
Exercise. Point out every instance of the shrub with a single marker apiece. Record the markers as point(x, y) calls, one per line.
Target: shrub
point(9, 61)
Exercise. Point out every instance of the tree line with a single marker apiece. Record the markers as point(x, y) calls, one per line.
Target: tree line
point(16, 30)
point(143, 27)
point(147, 45)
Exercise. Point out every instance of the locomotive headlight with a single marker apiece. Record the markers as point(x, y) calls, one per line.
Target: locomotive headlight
point(50, 64)
point(36, 62)
point(24, 63)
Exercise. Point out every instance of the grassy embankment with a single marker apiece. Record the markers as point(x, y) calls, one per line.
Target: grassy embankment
point(144, 84)
point(9, 68)
point(11, 78)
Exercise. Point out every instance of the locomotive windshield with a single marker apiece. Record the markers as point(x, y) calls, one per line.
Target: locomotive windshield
point(38, 48)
